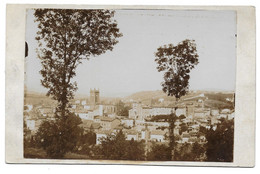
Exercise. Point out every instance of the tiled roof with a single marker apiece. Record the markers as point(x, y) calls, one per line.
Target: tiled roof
point(107, 132)
point(81, 111)
point(104, 118)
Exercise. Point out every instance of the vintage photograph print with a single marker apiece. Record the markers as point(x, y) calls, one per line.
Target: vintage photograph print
point(130, 84)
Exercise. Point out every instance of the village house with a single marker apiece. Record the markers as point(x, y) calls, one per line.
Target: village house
point(139, 127)
point(109, 109)
point(113, 115)
point(128, 122)
point(107, 123)
point(214, 120)
point(139, 112)
point(159, 124)
point(89, 125)
point(157, 135)
point(83, 114)
point(131, 134)
point(120, 127)
point(181, 110)
point(201, 112)
point(136, 111)
point(161, 111)
point(145, 134)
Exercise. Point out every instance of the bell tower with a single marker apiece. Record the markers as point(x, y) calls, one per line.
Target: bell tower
point(94, 96)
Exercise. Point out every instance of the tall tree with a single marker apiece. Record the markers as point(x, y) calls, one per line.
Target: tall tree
point(176, 63)
point(66, 37)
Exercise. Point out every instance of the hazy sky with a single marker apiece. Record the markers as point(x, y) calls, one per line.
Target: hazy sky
point(131, 68)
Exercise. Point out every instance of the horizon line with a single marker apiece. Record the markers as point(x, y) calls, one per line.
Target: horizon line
point(123, 96)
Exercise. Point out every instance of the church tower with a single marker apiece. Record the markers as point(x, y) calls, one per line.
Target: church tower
point(94, 97)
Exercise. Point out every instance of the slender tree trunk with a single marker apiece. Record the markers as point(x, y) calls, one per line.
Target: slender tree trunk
point(64, 85)
point(171, 132)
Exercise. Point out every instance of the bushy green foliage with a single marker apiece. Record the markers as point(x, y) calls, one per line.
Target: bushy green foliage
point(66, 37)
point(116, 147)
point(86, 143)
point(59, 136)
point(176, 63)
point(88, 138)
point(220, 142)
point(182, 152)
point(189, 152)
point(159, 152)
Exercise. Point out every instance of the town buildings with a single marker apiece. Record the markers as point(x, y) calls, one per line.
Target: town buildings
point(102, 118)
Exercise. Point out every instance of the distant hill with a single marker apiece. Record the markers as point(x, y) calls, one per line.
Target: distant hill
point(215, 99)
point(148, 95)
point(36, 98)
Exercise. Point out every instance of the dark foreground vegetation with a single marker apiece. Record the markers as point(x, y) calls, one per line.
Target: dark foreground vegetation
point(218, 147)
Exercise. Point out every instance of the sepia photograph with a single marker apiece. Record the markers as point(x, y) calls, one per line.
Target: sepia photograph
point(130, 84)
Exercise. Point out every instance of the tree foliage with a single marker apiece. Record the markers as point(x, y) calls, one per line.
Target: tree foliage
point(116, 147)
point(59, 136)
point(176, 63)
point(220, 142)
point(190, 152)
point(85, 143)
point(159, 152)
point(89, 138)
point(183, 152)
point(66, 37)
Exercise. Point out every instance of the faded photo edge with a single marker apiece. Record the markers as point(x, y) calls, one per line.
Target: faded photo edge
point(245, 117)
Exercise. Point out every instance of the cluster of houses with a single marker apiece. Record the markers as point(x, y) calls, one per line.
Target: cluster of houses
point(103, 120)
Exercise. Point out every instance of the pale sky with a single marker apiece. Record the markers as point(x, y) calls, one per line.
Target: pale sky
point(131, 68)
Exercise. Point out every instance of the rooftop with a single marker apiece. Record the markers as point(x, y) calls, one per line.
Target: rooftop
point(157, 132)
